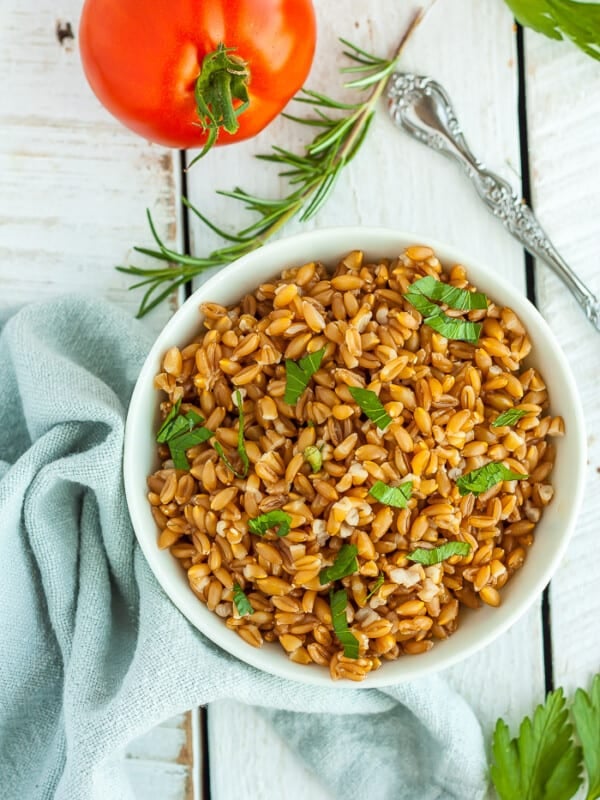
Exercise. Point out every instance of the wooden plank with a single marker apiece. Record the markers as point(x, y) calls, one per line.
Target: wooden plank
point(563, 100)
point(158, 764)
point(248, 759)
point(398, 183)
point(75, 186)
point(75, 182)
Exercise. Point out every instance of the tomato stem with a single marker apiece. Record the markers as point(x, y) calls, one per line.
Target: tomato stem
point(223, 79)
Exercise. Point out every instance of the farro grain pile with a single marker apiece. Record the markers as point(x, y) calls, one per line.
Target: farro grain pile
point(442, 397)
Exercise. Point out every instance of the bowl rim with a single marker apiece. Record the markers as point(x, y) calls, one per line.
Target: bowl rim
point(375, 238)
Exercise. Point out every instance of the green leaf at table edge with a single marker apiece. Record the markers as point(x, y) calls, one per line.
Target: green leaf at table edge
point(577, 21)
point(543, 761)
point(586, 713)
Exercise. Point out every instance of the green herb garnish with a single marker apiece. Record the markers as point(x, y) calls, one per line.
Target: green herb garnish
point(376, 586)
point(179, 431)
point(338, 601)
point(420, 295)
point(314, 457)
point(396, 496)
point(557, 19)
point(509, 417)
point(243, 605)
point(277, 519)
point(586, 711)
point(459, 299)
point(543, 762)
point(165, 430)
point(299, 373)
point(371, 405)
point(181, 443)
point(340, 130)
point(175, 424)
point(184, 441)
point(241, 446)
point(428, 557)
point(179, 459)
point(482, 479)
point(345, 564)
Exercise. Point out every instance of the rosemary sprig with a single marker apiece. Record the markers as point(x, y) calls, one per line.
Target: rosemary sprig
point(342, 128)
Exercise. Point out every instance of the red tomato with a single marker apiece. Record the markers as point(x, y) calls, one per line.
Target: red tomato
point(142, 58)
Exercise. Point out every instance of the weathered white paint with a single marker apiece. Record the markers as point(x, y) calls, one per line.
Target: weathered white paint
point(75, 183)
point(563, 98)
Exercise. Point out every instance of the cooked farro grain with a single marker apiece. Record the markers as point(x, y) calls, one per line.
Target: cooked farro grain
point(441, 396)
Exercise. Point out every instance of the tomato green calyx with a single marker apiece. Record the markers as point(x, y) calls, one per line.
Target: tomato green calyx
point(223, 79)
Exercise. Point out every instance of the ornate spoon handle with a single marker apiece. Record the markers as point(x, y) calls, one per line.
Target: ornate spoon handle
point(421, 107)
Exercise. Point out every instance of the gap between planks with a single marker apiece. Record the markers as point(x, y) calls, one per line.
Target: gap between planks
point(530, 279)
point(200, 763)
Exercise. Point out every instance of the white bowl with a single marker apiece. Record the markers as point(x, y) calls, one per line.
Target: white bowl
point(477, 628)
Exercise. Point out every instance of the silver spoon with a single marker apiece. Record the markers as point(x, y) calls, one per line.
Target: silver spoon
point(421, 107)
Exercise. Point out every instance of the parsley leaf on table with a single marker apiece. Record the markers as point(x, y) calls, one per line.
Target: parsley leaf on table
point(586, 710)
point(542, 763)
point(558, 19)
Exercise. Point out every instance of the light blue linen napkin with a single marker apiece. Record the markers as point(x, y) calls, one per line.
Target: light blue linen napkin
point(92, 653)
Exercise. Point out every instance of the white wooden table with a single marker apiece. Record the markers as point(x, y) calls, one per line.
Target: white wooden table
point(74, 187)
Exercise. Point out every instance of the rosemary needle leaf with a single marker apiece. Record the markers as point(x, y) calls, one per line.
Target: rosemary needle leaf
point(323, 141)
point(302, 121)
point(356, 50)
point(360, 138)
point(322, 194)
point(147, 304)
point(219, 231)
point(308, 96)
point(369, 80)
point(147, 252)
